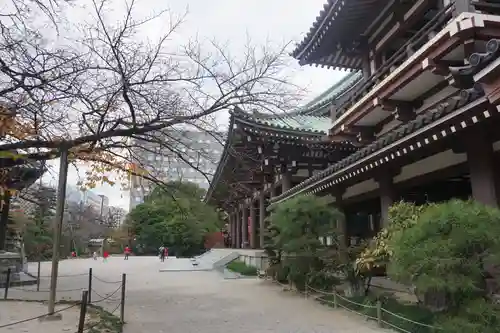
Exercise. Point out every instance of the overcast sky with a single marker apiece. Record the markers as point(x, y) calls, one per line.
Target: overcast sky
point(222, 20)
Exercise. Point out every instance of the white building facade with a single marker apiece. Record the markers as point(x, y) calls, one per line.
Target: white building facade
point(192, 156)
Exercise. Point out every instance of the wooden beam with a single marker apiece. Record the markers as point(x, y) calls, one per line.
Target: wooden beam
point(401, 110)
point(363, 134)
point(486, 6)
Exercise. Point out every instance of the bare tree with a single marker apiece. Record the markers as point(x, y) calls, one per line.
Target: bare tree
point(82, 223)
point(113, 217)
point(105, 92)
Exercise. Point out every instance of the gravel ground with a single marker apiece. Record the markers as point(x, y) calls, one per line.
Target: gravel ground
point(185, 302)
point(16, 311)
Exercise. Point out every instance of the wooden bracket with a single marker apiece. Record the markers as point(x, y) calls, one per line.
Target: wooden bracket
point(401, 110)
point(438, 68)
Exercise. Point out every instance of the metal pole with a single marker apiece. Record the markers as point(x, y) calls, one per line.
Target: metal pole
point(90, 285)
point(83, 311)
point(38, 277)
point(7, 283)
point(61, 196)
point(122, 305)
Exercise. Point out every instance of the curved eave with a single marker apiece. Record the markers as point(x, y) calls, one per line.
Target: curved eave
point(281, 130)
point(329, 8)
point(222, 163)
point(337, 17)
point(22, 177)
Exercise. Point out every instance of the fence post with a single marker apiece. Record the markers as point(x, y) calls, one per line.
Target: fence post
point(335, 300)
point(90, 286)
point(379, 313)
point(7, 283)
point(306, 289)
point(83, 311)
point(38, 276)
point(122, 305)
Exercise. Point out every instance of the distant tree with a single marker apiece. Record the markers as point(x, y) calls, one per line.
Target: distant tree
point(113, 217)
point(38, 233)
point(174, 215)
point(82, 223)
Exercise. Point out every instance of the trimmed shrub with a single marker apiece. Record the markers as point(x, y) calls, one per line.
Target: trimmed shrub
point(242, 268)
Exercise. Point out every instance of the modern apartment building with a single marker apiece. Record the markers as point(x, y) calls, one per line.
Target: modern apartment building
point(190, 156)
point(88, 198)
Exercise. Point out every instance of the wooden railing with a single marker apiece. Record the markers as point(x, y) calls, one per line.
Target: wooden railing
point(363, 87)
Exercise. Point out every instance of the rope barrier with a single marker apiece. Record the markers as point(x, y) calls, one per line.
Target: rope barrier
point(105, 281)
point(378, 307)
point(85, 297)
point(104, 298)
point(407, 319)
point(38, 317)
point(64, 276)
point(47, 290)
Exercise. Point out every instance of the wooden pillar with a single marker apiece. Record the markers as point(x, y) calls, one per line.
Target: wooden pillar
point(230, 231)
point(233, 229)
point(366, 65)
point(4, 220)
point(341, 225)
point(244, 226)
point(253, 225)
point(480, 158)
point(238, 229)
point(272, 192)
point(262, 219)
point(286, 181)
point(387, 195)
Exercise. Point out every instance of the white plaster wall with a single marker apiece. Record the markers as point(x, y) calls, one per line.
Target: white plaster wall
point(430, 164)
point(427, 165)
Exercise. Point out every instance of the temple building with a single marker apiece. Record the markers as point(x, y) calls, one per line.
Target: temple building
point(416, 121)
point(16, 174)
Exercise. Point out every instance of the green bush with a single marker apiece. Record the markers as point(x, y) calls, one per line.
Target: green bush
point(447, 252)
point(281, 272)
point(295, 229)
point(242, 268)
point(478, 316)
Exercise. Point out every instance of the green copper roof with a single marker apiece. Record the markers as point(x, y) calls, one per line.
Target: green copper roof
point(334, 92)
point(299, 123)
point(313, 117)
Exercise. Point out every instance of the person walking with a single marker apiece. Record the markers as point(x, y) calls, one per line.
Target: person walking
point(161, 252)
point(127, 252)
point(94, 255)
point(165, 250)
point(105, 256)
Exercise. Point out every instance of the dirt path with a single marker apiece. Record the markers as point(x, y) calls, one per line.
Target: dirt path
point(185, 302)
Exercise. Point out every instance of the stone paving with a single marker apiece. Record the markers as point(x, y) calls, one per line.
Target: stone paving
point(203, 301)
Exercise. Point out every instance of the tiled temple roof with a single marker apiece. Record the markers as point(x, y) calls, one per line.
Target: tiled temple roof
point(385, 140)
point(477, 62)
point(311, 118)
point(298, 123)
point(339, 21)
point(317, 106)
